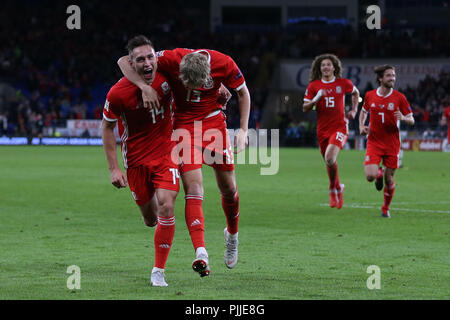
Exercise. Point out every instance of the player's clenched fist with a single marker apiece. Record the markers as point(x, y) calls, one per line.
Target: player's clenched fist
point(241, 140)
point(118, 178)
point(224, 95)
point(364, 130)
point(150, 97)
point(398, 115)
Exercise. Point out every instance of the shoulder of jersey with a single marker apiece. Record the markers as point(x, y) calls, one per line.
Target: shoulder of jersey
point(398, 93)
point(344, 80)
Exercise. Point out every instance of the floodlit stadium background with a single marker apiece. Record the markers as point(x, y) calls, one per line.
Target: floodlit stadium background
point(54, 79)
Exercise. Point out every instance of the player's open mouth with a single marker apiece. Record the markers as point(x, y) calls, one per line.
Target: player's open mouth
point(148, 74)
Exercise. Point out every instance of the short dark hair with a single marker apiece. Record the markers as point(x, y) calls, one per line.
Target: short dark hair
point(379, 71)
point(138, 41)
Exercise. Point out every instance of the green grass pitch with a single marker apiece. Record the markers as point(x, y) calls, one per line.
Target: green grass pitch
point(58, 208)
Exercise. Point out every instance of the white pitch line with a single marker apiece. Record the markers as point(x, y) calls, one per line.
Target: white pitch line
point(409, 203)
point(357, 206)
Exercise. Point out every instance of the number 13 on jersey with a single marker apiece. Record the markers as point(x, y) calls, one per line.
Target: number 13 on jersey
point(193, 95)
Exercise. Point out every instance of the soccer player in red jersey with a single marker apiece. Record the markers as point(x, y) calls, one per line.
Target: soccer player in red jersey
point(196, 78)
point(326, 91)
point(387, 107)
point(446, 121)
point(146, 149)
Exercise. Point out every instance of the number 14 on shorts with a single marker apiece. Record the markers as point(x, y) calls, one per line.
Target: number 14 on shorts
point(175, 175)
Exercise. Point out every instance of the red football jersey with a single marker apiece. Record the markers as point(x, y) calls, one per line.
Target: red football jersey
point(196, 104)
point(331, 106)
point(145, 135)
point(383, 126)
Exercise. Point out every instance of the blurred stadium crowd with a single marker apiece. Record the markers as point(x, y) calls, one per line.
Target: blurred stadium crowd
point(49, 74)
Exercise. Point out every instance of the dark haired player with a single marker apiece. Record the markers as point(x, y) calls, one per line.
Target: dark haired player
point(146, 149)
point(387, 107)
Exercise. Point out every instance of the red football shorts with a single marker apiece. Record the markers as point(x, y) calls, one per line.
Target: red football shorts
point(375, 154)
point(161, 173)
point(205, 142)
point(338, 138)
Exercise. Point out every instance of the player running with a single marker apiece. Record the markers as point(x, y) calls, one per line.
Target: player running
point(326, 91)
point(195, 77)
point(146, 149)
point(387, 107)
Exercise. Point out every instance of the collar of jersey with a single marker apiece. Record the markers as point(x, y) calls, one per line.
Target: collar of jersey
point(207, 54)
point(380, 95)
point(332, 80)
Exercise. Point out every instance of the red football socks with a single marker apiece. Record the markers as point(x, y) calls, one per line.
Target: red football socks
point(231, 209)
point(195, 220)
point(388, 195)
point(164, 233)
point(333, 175)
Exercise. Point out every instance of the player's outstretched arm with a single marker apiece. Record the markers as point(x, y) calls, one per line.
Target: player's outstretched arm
point(363, 129)
point(149, 95)
point(244, 111)
point(118, 178)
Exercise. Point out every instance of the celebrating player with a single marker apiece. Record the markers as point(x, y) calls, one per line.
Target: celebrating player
point(195, 77)
point(326, 91)
point(146, 149)
point(387, 107)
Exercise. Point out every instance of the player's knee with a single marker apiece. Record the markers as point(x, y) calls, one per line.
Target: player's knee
point(194, 188)
point(329, 160)
point(150, 222)
point(228, 191)
point(166, 209)
point(370, 177)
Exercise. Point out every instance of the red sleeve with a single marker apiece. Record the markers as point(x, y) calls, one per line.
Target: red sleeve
point(233, 77)
point(348, 86)
point(167, 61)
point(310, 92)
point(113, 106)
point(404, 107)
point(366, 102)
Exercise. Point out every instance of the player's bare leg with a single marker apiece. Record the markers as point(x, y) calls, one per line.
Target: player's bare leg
point(336, 188)
point(193, 189)
point(374, 172)
point(164, 234)
point(226, 181)
point(389, 190)
point(150, 212)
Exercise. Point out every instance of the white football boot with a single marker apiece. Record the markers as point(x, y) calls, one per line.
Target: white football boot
point(231, 253)
point(201, 262)
point(157, 278)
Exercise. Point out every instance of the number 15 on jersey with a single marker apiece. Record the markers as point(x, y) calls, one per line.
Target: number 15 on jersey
point(329, 102)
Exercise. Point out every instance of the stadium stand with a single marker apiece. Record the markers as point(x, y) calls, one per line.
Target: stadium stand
point(50, 74)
